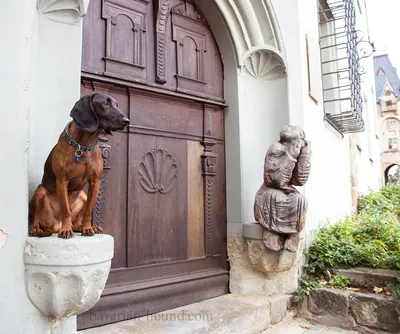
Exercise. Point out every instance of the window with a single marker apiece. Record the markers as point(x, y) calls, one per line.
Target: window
point(393, 143)
point(341, 82)
point(381, 72)
point(387, 92)
point(388, 103)
point(391, 123)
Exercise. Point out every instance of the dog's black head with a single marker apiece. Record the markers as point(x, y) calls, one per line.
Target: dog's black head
point(99, 111)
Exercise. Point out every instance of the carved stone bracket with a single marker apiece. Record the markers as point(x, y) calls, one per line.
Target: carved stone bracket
point(98, 211)
point(65, 11)
point(162, 13)
point(264, 64)
point(263, 259)
point(66, 277)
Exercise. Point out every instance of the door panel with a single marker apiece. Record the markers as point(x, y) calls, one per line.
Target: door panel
point(162, 193)
point(158, 192)
point(195, 221)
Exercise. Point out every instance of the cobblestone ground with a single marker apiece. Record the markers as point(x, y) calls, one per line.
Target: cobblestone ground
point(300, 326)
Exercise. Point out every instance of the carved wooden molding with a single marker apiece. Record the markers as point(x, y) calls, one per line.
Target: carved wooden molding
point(158, 172)
point(188, 9)
point(102, 86)
point(209, 168)
point(209, 164)
point(189, 31)
point(98, 210)
point(128, 60)
point(162, 8)
point(65, 11)
point(264, 64)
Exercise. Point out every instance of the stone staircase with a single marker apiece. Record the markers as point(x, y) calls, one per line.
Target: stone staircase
point(225, 314)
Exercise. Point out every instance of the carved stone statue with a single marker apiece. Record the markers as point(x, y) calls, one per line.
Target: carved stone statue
point(279, 207)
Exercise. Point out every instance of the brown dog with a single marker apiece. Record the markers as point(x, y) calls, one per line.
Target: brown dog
point(59, 204)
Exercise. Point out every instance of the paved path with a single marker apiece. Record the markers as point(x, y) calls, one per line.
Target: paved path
point(300, 326)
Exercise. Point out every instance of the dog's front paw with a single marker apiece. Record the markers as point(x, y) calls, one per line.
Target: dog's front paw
point(66, 233)
point(98, 229)
point(88, 231)
point(35, 231)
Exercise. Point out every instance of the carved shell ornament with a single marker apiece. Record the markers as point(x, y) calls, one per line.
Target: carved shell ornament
point(265, 64)
point(158, 172)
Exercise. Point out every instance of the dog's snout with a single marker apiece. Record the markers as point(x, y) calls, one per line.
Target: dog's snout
point(125, 121)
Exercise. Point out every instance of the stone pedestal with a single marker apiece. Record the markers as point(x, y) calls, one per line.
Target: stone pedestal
point(66, 277)
point(257, 270)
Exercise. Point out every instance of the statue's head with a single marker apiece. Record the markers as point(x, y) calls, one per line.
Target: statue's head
point(293, 135)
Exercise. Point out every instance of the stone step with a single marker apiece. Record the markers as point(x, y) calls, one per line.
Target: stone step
point(292, 325)
point(355, 311)
point(368, 277)
point(224, 314)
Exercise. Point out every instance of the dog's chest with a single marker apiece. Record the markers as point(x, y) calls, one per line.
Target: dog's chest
point(81, 174)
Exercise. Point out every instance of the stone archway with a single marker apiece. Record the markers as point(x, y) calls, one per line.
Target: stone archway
point(388, 160)
point(252, 51)
point(390, 175)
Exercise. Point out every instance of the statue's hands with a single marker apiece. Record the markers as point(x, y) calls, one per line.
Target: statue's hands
point(306, 147)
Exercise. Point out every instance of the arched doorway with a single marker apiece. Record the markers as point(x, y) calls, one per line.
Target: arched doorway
point(392, 174)
point(163, 191)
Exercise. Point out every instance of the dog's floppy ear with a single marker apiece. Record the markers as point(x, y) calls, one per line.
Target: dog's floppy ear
point(83, 114)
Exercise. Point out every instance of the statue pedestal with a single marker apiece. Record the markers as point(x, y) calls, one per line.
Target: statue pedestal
point(66, 277)
point(263, 259)
point(258, 270)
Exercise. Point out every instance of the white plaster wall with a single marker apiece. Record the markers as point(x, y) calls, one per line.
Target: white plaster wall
point(368, 158)
point(328, 189)
point(40, 71)
point(252, 123)
point(258, 109)
point(19, 38)
point(294, 45)
point(263, 113)
point(58, 81)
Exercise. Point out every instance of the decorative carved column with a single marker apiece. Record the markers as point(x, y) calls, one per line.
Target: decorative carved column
point(209, 163)
point(98, 210)
point(162, 9)
point(209, 167)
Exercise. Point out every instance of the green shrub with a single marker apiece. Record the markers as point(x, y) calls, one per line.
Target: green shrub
point(339, 281)
point(369, 239)
point(376, 201)
point(392, 193)
point(306, 285)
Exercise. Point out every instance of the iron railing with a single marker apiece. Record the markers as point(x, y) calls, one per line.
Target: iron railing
point(341, 70)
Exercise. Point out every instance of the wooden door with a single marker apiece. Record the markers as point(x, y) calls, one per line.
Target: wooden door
point(162, 193)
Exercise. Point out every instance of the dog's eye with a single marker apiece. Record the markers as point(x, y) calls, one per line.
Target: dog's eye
point(106, 103)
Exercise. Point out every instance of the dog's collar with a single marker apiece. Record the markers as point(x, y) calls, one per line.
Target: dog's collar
point(79, 148)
